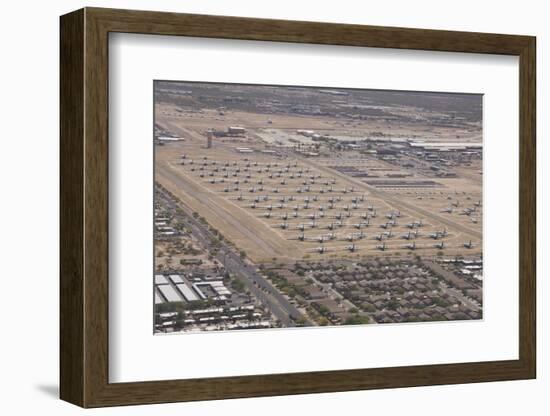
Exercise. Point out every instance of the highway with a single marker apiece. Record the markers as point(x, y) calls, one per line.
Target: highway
point(279, 305)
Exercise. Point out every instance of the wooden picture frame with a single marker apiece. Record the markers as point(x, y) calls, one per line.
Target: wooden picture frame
point(84, 207)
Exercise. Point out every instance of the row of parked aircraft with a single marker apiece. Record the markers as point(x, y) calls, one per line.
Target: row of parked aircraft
point(412, 246)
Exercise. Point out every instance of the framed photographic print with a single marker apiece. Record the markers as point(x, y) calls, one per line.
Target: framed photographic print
point(262, 207)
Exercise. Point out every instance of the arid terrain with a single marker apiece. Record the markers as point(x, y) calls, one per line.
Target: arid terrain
point(284, 176)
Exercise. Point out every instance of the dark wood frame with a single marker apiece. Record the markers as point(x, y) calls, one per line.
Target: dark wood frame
point(84, 207)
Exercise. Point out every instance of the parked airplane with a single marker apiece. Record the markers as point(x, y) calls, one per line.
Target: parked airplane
point(323, 238)
point(415, 224)
point(438, 234)
point(286, 216)
point(379, 237)
point(320, 249)
point(388, 234)
point(333, 225)
point(351, 247)
point(381, 246)
point(411, 246)
point(393, 214)
point(410, 235)
point(361, 224)
point(355, 236)
point(300, 237)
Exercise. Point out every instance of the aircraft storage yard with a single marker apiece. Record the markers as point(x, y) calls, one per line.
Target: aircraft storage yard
point(287, 206)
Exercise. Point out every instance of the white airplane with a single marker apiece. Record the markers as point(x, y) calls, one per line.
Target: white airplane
point(438, 234)
point(415, 224)
point(381, 246)
point(300, 237)
point(411, 246)
point(468, 211)
point(448, 210)
point(321, 238)
point(410, 236)
point(340, 215)
point(333, 225)
point(393, 214)
point(362, 224)
point(379, 237)
point(285, 216)
point(469, 244)
point(320, 249)
point(355, 236)
point(351, 247)
point(271, 206)
point(440, 246)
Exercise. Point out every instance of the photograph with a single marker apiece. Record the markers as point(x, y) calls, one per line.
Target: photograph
point(296, 206)
point(266, 203)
